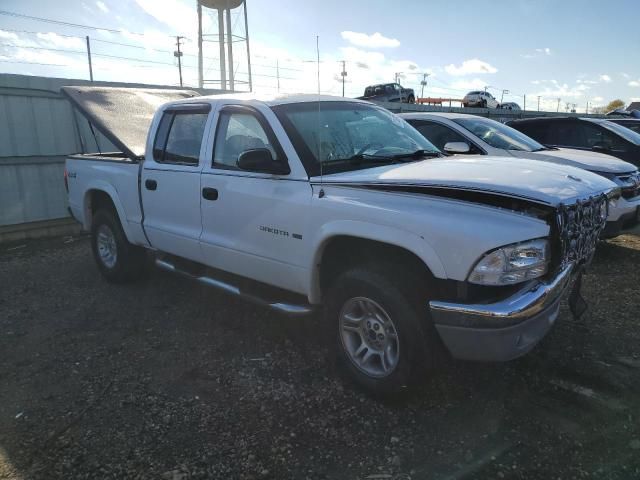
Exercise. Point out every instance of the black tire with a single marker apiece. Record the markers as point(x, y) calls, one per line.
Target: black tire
point(483, 104)
point(403, 297)
point(128, 264)
point(411, 99)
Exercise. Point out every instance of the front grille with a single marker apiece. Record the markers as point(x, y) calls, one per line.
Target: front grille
point(579, 227)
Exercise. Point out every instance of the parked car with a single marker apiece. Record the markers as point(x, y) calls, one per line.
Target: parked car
point(458, 133)
point(593, 134)
point(480, 99)
point(621, 112)
point(389, 92)
point(303, 202)
point(630, 123)
point(510, 106)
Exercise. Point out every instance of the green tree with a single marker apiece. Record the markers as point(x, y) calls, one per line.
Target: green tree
point(613, 104)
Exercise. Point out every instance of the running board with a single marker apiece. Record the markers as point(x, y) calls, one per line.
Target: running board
point(282, 307)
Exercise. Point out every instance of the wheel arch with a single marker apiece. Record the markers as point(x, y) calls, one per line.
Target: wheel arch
point(345, 244)
point(103, 196)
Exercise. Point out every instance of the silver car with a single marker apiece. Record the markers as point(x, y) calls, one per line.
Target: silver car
point(480, 99)
point(457, 133)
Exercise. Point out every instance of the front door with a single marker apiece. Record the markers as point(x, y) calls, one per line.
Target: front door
point(170, 183)
point(254, 224)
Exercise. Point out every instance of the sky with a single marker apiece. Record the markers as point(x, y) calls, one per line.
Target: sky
point(578, 51)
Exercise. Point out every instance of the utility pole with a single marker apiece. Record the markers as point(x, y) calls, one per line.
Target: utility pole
point(423, 83)
point(538, 102)
point(178, 54)
point(587, 110)
point(89, 58)
point(501, 96)
point(343, 73)
point(278, 73)
point(524, 97)
point(558, 107)
point(486, 87)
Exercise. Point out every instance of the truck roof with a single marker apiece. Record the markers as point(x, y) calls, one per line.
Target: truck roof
point(106, 107)
point(268, 99)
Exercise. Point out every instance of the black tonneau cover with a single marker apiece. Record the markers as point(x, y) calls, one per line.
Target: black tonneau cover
point(123, 115)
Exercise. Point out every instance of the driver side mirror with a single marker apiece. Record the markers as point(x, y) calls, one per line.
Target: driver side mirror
point(457, 147)
point(260, 160)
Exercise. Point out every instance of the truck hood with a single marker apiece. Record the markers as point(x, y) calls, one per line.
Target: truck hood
point(592, 161)
point(541, 182)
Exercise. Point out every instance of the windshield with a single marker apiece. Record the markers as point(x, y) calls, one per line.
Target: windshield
point(624, 132)
point(498, 135)
point(349, 135)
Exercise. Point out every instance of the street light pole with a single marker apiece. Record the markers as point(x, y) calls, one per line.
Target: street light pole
point(178, 54)
point(423, 83)
point(538, 102)
point(344, 74)
point(502, 96)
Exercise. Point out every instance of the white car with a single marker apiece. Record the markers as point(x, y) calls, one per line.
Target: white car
point(480, 99)
point(470, 134)
point(300, 203)
point(510, 106)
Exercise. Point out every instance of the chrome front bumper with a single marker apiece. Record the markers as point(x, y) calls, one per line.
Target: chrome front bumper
point(502, 330)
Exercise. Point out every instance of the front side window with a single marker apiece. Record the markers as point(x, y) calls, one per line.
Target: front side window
point(623, 131)
point(238, 132)
point(341, 136)
point(439, 134)
point(499, 135)
point(179, 138)
point(600, 137)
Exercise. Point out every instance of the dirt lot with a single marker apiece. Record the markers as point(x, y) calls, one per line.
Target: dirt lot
point(166, 379)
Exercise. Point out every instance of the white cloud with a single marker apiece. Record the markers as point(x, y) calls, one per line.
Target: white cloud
point(353, 54)
point(546, 50)
point(605, 78)
point(376, 40)
point(475, 84)
point(469, 67)
point(625, 75)
point(58, 41)
point(634, 83)
point(102, 6)
point(597, 99)
point(181, 17)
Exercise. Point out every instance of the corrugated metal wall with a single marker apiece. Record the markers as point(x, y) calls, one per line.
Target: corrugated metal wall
point(37, 130)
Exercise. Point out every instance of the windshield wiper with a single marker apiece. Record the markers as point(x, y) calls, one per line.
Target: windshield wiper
point(416, 155)
point(359, 158)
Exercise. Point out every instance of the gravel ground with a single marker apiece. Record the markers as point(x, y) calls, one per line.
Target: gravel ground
point(166, 379)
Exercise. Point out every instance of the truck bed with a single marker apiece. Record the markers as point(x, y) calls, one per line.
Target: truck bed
point(115, 174)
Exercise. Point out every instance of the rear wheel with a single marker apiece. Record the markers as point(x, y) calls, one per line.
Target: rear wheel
point(411, 99)
point(384, 337)
point(118, 260)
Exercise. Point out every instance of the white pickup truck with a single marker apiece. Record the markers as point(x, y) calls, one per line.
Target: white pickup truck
point(303, 202)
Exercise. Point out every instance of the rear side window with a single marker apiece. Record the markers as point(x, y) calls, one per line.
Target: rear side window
point(179, 138)
point(537, 131)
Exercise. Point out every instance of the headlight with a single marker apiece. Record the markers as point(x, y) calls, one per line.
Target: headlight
point(512, 264)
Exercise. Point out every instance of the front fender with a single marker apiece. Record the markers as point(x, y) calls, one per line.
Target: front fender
point(393, 236)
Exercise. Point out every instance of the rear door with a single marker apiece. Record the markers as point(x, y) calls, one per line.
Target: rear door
point(170, 183)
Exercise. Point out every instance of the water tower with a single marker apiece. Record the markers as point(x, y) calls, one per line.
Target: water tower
point(227, 71)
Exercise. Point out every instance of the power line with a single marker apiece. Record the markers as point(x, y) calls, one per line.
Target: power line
point(76, 52)
point(67, 24)
point(37, 63)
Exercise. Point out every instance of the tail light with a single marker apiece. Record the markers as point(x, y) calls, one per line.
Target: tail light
point(66, 179)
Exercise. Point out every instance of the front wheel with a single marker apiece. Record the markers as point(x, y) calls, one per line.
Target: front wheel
point(411, 99)
point(118, 260)
point(384, 337)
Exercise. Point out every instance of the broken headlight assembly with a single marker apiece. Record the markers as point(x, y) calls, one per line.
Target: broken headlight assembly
point(512, 264)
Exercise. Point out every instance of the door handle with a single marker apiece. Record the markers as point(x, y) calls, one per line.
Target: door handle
point(209, 193)
point(150, 184)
